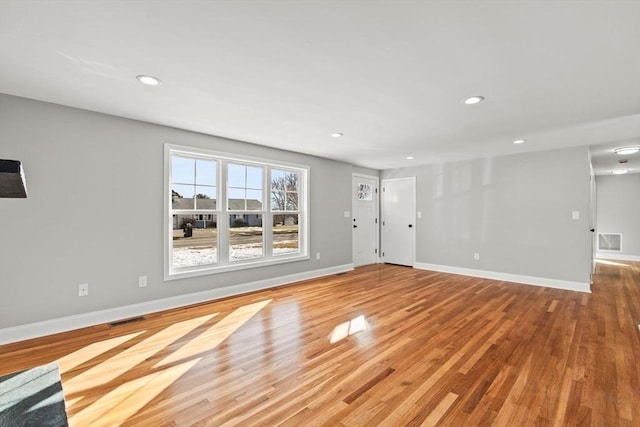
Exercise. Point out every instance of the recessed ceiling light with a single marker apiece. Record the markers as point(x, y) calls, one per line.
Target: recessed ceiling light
point(620, 171)
point(473, 99)
point(627, 150)
point(337, 134)
point(148, 80)
point(519, 141)
point(410, 157)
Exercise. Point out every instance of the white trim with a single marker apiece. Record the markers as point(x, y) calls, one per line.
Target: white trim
point(63, 324)
point(237, 265)
point(508, 277)
point(617, 257)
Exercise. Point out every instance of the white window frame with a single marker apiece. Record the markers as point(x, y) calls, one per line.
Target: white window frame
point(222, 213)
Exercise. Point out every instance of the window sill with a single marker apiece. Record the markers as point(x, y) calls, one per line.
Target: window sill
point(206, 270)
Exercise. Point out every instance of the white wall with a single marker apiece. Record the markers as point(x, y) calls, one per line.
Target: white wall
point(515, 211)
point(618, 211)
point(94, 213)
point(365, 171)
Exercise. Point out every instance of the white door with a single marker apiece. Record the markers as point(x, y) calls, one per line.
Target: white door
point(592, 223)
point(365, 220)
point(399, 221)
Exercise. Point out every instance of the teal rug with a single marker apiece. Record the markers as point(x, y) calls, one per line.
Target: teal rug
point(32, 398)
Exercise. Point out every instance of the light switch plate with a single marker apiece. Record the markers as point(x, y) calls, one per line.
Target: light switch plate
point(575, 215)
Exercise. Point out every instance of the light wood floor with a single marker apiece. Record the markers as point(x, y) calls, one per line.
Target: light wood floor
point(382, 345)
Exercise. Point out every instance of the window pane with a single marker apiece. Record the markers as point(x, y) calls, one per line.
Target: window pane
point(254, 177)
point(182, 196)
point(236, 175)
point(206, 172)
point(194, 240)
point(292, 201)
point(284, 190)
point(286, 239)
point(244, 187)
point(254, 200)
point(236, 199)
point(182, 170)
point(292, 181)
point(278, 195)
point(245, 236)
point(277, 179)
point(205, 197)
point(365, 192)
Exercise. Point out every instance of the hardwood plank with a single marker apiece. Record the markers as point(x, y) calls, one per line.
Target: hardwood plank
point(381, 345)
point(368, 385)
point(435, 416)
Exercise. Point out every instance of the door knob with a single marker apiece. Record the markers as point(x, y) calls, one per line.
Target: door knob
point(410, 225)
point(355, 226)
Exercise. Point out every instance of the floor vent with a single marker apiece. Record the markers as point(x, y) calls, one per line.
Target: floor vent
point(610, 242)
point(126, 321)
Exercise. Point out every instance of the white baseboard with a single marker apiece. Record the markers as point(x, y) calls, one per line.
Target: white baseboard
point(508, 277)
point(63, 324)
point(617, 257)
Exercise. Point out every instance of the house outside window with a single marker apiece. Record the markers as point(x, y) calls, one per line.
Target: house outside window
point(227, 212)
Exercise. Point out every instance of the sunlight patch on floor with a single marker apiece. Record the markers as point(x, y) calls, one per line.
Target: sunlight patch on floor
point(128, 358)
point(216, 334)
point(130, 397)
point(607, 262)
point(77, 358)
point(353, 326)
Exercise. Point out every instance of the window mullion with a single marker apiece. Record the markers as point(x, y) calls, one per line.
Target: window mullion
point(223, 226)
point(267, 236)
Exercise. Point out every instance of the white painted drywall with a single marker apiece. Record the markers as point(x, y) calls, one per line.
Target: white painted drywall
point(515, 211)
point(365, 171)
point(95, 208)
point(618, 211)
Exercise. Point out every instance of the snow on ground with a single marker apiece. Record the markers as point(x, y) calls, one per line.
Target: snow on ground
point(190, 257)
point(187, 257)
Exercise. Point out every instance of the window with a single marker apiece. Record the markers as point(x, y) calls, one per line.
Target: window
point(245, 194)
point(285, 188)
point(226, 212)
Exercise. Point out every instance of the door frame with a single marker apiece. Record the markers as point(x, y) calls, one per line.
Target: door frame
point(593, 221)
point(376, 203)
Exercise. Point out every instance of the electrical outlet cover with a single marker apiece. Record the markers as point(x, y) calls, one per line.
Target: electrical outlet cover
point(83, 289)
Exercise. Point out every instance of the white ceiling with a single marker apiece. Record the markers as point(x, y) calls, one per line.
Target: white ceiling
point(390, 75)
